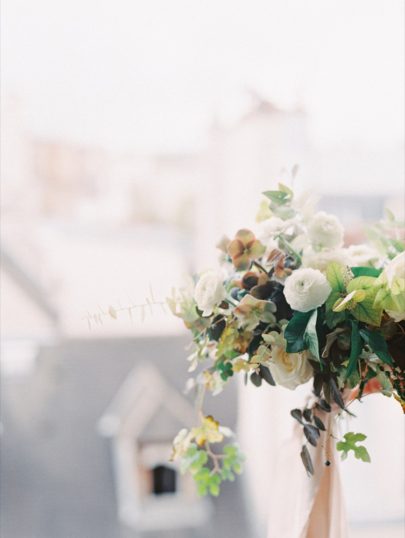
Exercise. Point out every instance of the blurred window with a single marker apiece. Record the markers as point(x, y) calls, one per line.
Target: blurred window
point(164, 480)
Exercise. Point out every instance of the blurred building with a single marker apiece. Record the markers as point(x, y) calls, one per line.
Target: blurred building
point(87, 227)
point(61, 478)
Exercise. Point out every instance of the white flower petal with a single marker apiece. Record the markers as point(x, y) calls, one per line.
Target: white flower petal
point(325, 231)
point(306, 289)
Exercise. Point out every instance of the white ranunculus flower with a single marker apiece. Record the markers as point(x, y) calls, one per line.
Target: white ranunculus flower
point(325, 231)
point(209, 291)
point(289, 369)
point(362, 255)
point(306, 289)
point(320, 260)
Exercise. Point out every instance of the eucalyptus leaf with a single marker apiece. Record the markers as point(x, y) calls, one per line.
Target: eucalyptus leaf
point(337, 396)
point(311, 433)
point(266, 375)
point(323, 404)
point(297, 414)
point(256, 379)
point(318, 382)
point(306, 460)
point(318, 423)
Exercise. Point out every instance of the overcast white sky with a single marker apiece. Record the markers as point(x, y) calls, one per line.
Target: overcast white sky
point(130, 73)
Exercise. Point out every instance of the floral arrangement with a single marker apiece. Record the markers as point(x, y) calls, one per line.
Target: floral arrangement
point(290, 306)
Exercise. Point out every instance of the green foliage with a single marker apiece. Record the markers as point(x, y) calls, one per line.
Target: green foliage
point(365, 271)
point(311, 336)
point(355, 348)
point(350, 443)
point(302, 333)
point(336, 275)
point(207, 481)
point(365, 310)
point(282, 196)
point(193, 460)
point(225, 369)
point(277, 197)
point(295, 331)
point(209, 470)
point(251, 325)
point(377, 343)
point(280, 201)
point(356, 295)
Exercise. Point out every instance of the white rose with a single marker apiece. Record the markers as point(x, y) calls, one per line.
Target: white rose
point(306, 289)
point(325, 231)
point(320, 260)
point(209, 291)
point(362, 255)
point(289, 369)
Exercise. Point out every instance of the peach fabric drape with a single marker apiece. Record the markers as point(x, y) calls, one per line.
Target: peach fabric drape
point(302, 506)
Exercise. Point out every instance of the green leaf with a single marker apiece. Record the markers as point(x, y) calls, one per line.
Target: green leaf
point(366, 311)
point(311, 336)
point(278, 197)
point(202, 489)
point(355, 437)
point(366, 271)
point(284, 188)
point(362, 454)
point(361, 283)
point(384, 300)
point(377, 343)
point(355, 348)
point(336, 274)
point(295, 331)
point(350, 443)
